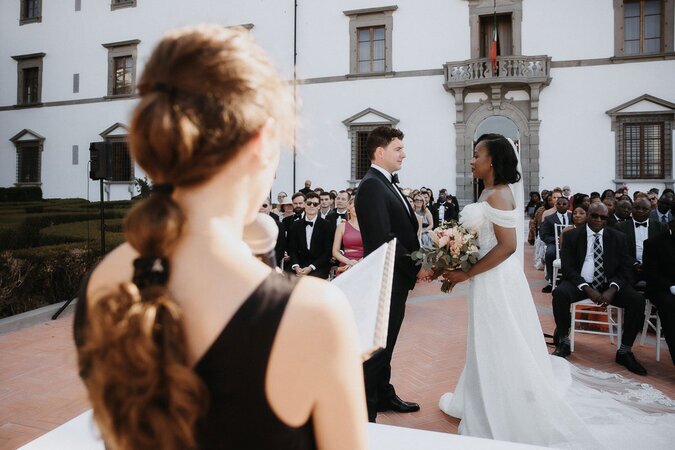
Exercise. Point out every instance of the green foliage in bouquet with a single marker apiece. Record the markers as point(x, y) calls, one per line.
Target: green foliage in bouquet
point(454, 247)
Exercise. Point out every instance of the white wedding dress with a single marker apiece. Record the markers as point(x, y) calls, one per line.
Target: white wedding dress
point(511, 389)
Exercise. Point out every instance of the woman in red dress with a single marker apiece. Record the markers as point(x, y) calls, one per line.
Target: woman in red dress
point(348, 237)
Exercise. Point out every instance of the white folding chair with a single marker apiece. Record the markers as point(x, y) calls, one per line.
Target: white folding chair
point(614, 321)
point(557, 264)
point(652, 314)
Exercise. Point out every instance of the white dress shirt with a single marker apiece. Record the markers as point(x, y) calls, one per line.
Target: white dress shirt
point(388, 176)
point(441, 212)
point(340, 219)
point(562, 218)
point(589, 261)
point(308, 235)
point(640, 237)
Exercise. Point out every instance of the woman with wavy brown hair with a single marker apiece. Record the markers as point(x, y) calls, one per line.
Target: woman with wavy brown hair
point(186, 340)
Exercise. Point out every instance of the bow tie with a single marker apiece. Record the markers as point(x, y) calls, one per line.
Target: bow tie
point(343, 215)
point(641, 224)
point(309, 223)
point(394, 178)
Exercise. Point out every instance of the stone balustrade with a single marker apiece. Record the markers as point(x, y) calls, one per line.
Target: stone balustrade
point(510, 70)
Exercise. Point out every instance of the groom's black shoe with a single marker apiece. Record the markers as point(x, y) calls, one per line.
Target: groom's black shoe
point(562, 350)
point(394, 403)
point(627, 359)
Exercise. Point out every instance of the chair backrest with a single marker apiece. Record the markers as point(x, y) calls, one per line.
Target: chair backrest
point(558, 231)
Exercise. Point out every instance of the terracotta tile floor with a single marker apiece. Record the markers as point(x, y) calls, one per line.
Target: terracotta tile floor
point(39, 387)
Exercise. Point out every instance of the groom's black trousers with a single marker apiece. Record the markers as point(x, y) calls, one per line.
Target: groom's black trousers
point(632, 302)
point(377, 370)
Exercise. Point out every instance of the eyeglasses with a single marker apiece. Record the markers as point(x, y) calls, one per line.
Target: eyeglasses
point(598, 216)
point(312, 203)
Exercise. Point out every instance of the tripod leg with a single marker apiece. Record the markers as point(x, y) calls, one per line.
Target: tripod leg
point(62, 308)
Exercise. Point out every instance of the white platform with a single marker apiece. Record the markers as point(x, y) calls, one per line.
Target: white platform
point(80, 434)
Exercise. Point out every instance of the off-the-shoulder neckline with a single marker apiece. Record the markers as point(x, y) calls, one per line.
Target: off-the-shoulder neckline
point(497, 209)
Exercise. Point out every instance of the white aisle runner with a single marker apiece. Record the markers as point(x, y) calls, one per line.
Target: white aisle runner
point(80, 434)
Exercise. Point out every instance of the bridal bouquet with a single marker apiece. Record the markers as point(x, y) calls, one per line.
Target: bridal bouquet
point(454, 247)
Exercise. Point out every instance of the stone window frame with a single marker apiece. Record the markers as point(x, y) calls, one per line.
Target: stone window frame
point(620, 119)
point(109, 135)
point(370, 17)
point(122, 4)
point(355, 127)
point(26, 20)
point(478, 8)
point(667, 30)
point(27, 62)
point(19, 144)
point(118, 49)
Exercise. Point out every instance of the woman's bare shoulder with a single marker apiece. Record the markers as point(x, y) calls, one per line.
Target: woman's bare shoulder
point(115, 268)
point(501, 198)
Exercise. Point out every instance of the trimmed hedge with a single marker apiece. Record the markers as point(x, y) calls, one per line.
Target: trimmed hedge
point(21, 194)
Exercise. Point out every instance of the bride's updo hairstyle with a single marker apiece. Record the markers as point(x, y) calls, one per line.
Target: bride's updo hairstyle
point(504, 159)
point(204, 93)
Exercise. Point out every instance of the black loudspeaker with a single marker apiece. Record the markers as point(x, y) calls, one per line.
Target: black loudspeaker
point(100, 156)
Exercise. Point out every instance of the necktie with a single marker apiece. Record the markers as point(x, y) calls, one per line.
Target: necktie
point(599, 269)
point(641, 224)
point(308, 223)
point(664, 219)
point(563, 218)
point(394, 178)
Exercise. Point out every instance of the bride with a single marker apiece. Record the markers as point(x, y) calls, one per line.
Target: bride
point(511, 389)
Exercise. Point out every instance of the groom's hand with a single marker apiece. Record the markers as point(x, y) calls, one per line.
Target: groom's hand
point(456, 276)
point(424, 274)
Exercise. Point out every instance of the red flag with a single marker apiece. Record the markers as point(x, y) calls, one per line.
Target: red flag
point(493, 45)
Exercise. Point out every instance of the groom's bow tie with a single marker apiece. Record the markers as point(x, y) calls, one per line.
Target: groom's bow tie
point(394, 178)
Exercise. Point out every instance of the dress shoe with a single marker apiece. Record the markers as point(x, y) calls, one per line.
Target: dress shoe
point(547, 289)
point(627, 359)
point(562, 350)
point(394, 403)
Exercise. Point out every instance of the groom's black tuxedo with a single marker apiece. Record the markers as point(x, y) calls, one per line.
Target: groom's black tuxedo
point(384, 215)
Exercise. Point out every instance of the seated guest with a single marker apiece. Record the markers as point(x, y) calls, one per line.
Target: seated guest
point(325, 204)
point(622, 211)
point(607, 193)
point(424, 216)
point(610, 203)
point(446, 209)
point(348, 237)
point(298, 200)
point(566, 191)
point(280, 247)
point(595, 266)
point(281, 198)
point(307, 189)
point(595, 195)
point(637, 231)
point(653, 200)
point(339, 215)
point(310, 241)
point(580, 199)
point(579, 218)
point(555, 195)
point(185, 340)
point(662, 213)
point(286, 209)
point(547, 234)
point(659, 270)
point(533, 204)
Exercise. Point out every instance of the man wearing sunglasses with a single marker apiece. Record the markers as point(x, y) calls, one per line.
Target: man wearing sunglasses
point(596, 265)
point(310, 241)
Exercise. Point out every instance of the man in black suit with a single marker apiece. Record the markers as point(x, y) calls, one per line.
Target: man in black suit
point(659, 269)
point(662, 212)
point(595, 265)
point(308, 187)
point(385, 214)
point(446, 209)
point(637, 230)
point(310, 242)
point(547, 234)
point(339, 214)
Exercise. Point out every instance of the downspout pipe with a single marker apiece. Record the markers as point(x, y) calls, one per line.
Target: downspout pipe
point(295, 85)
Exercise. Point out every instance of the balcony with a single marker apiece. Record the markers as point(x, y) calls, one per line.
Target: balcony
point(511, 70)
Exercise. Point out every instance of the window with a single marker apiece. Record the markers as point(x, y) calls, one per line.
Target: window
point(29, 78)
point(504, 36)
point(122, 169)
point(642, 27)
point(28, 157)
point(371, 49)
point(643, 150)
point(359, 126)
point(122, 83)
point(31, 11)
point(644, 144)
point(119, 4)
point(370, 36)
point(121, 67)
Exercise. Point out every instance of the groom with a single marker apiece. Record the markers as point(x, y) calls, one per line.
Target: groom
point(385, 214)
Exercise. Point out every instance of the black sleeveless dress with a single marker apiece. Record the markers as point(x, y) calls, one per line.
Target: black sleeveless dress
point(233, 369)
